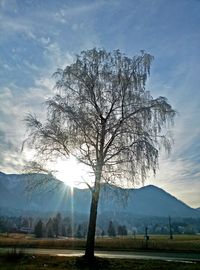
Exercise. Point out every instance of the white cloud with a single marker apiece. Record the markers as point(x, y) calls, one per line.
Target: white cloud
point(70, 28)
point(15, 103)
point(56, 57)
point(78, 10)
point(179, 173)
point(9, 26)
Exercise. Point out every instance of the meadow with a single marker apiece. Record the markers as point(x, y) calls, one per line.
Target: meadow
point(17, 259)
point(179, 243)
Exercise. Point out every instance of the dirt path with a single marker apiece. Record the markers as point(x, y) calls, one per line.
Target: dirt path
point(174, 257)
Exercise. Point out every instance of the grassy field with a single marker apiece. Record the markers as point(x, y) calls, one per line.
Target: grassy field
point(19, 261)
point(182, 243)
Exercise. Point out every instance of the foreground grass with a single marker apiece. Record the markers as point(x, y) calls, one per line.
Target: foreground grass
point(180, 243)
point(19, 261)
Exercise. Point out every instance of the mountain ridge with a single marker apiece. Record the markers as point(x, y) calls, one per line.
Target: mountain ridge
point(147, 201)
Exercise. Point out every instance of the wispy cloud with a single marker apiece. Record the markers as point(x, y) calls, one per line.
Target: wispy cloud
point(37, 37)
point(179, 173)
point(179, 177)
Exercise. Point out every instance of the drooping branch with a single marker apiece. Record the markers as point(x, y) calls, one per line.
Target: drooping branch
point(103, 114)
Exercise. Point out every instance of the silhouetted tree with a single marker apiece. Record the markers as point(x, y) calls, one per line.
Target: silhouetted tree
point(38, 231)
point(57, 224)
point(170, 229)
point(50, 228)
point(64, 231)
point(146, 237)
point(111, 229)
point(25, 222)
point(69, 231)
point(122, 230)
point(103, 116)
point(102, 233)
point(79, 231)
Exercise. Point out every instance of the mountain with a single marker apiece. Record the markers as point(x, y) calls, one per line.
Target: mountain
point(54, 195)
point(152, 201)
point(40, 193)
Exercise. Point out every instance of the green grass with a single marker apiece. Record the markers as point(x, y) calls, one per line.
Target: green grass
point(180, 243)
point(15, 261)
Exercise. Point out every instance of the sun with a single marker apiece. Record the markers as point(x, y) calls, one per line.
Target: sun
point(69, 171)
point(72, 173)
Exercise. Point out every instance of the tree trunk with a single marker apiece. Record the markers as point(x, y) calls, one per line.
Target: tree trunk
point(89, 251)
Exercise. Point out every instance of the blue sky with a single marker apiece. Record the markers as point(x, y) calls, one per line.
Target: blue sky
point(39, 36)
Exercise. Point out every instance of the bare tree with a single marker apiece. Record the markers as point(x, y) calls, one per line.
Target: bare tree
point(103, 115)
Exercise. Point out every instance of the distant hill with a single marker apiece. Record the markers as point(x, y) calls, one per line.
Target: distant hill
point(56, 196)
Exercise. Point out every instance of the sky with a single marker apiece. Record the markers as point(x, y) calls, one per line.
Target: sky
point(39, 36)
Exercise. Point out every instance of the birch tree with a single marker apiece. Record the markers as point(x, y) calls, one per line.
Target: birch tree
point(103, 115)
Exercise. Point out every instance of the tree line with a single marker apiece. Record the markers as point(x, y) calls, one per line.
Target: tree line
point(63, 226)
point(57, 227)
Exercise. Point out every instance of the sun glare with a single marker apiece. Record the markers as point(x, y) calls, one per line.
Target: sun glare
point(72, 173)
point(69, 171)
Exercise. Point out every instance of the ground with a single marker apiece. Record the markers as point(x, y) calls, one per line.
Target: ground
point(29, 262)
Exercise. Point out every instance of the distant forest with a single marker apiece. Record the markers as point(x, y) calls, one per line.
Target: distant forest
point(58, 225)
